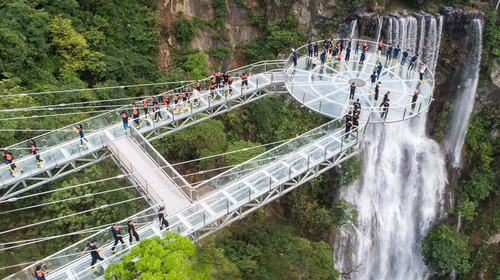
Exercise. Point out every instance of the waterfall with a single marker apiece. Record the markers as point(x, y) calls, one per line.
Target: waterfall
point(412, 34)
point(398, 198)
point(396, 32)
point(353, 27)
point(389, 31)
point(379, 28)
point(421, 37)
point(466, 92)
point(402, 34)
point(439, 31)
point(432, 40)
point(400, 194)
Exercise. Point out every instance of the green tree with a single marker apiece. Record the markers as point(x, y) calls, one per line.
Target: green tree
point(68, 43)
point(185, 30)
point(445, 250)
point(242, 156)
point(172, 257)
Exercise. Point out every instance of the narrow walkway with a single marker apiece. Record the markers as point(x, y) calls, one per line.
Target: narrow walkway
point(145, 171)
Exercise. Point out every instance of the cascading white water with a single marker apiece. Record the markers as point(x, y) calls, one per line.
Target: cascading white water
point(396, 32)
point(432, 40)
point(439, 31)
point(389, 31)
point(402, 34)
point(421, 37)
point(412, 34)
point(379, 28)
point(398, 198)
point(466, 92)
point(353, 27)
point(401, 192)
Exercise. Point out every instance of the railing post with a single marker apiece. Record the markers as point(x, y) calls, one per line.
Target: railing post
point(342, 143)
point(204, 222)
point(404, 113)
point(326, 148)
point(249, 194)
point(419, 106)
point(308, 160)
point(208, 98)
point(319, 107)
point(270, 182)
point(227, 206)
point(303, 98)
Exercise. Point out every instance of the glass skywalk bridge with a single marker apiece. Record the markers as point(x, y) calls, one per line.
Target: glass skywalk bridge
point(248, 186)
point(235, 193)
point(62, 154)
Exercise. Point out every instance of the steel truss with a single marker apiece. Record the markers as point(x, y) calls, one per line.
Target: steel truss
point(212, 111)
point(55, 173)
point(276, 191)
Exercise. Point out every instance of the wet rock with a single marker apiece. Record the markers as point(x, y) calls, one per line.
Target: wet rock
point(459, 16)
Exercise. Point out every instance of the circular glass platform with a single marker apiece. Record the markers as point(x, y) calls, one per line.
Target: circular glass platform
point(326, 90)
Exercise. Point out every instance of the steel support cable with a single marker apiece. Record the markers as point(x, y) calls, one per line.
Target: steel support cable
point(53, 108)
point(80, 103)
point(104, 206)
point(133, 217)
point(93, 89)
point(54, 115)
point(88, 195)
point(122, 176)
point(28, 242)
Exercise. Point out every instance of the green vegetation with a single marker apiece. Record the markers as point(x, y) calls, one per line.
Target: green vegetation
point(481, 146)
point(278, 35)
point(54, 45)
point(445, 250)
point(255, 250)
point(185, 30)
point(172, 257)
point(220, 52)
point(80, 222)
point(492, 39)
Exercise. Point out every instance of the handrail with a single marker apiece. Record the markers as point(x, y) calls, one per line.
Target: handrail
point(202, 82)
point(162, 164)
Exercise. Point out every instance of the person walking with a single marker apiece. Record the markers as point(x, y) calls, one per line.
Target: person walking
point(79, 129)
point(94, 253)
point(161, 217)
point(132, 232)
point(309, 50)
point(373, 80)
point(405, 56)
point(244, 80)
point(413, 62)
point(364, 46)
point(379, 70)
point(386, 96)
point(316, 49)
point(157, 111)
point(377, 90)
point(389, 53)
point(315, 63)
point(379, 49)
point(322, 58)
point(348, 124)
point(347, 54)
point(353, 91)
point(423, 67)
point(117, 236)
point(397, 50)
point(294, 57)
point(11, 161)
point(39, 274)
point(355, 122)
point(356, 51)
point(362, 59)
point(137, 117)
point(385, 110)
point(36, 153)
point(414, 98)
point(125, 121)
point(146, 109)
point(357, 107)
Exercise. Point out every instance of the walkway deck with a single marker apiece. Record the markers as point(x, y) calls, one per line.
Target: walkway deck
point(147, 173)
